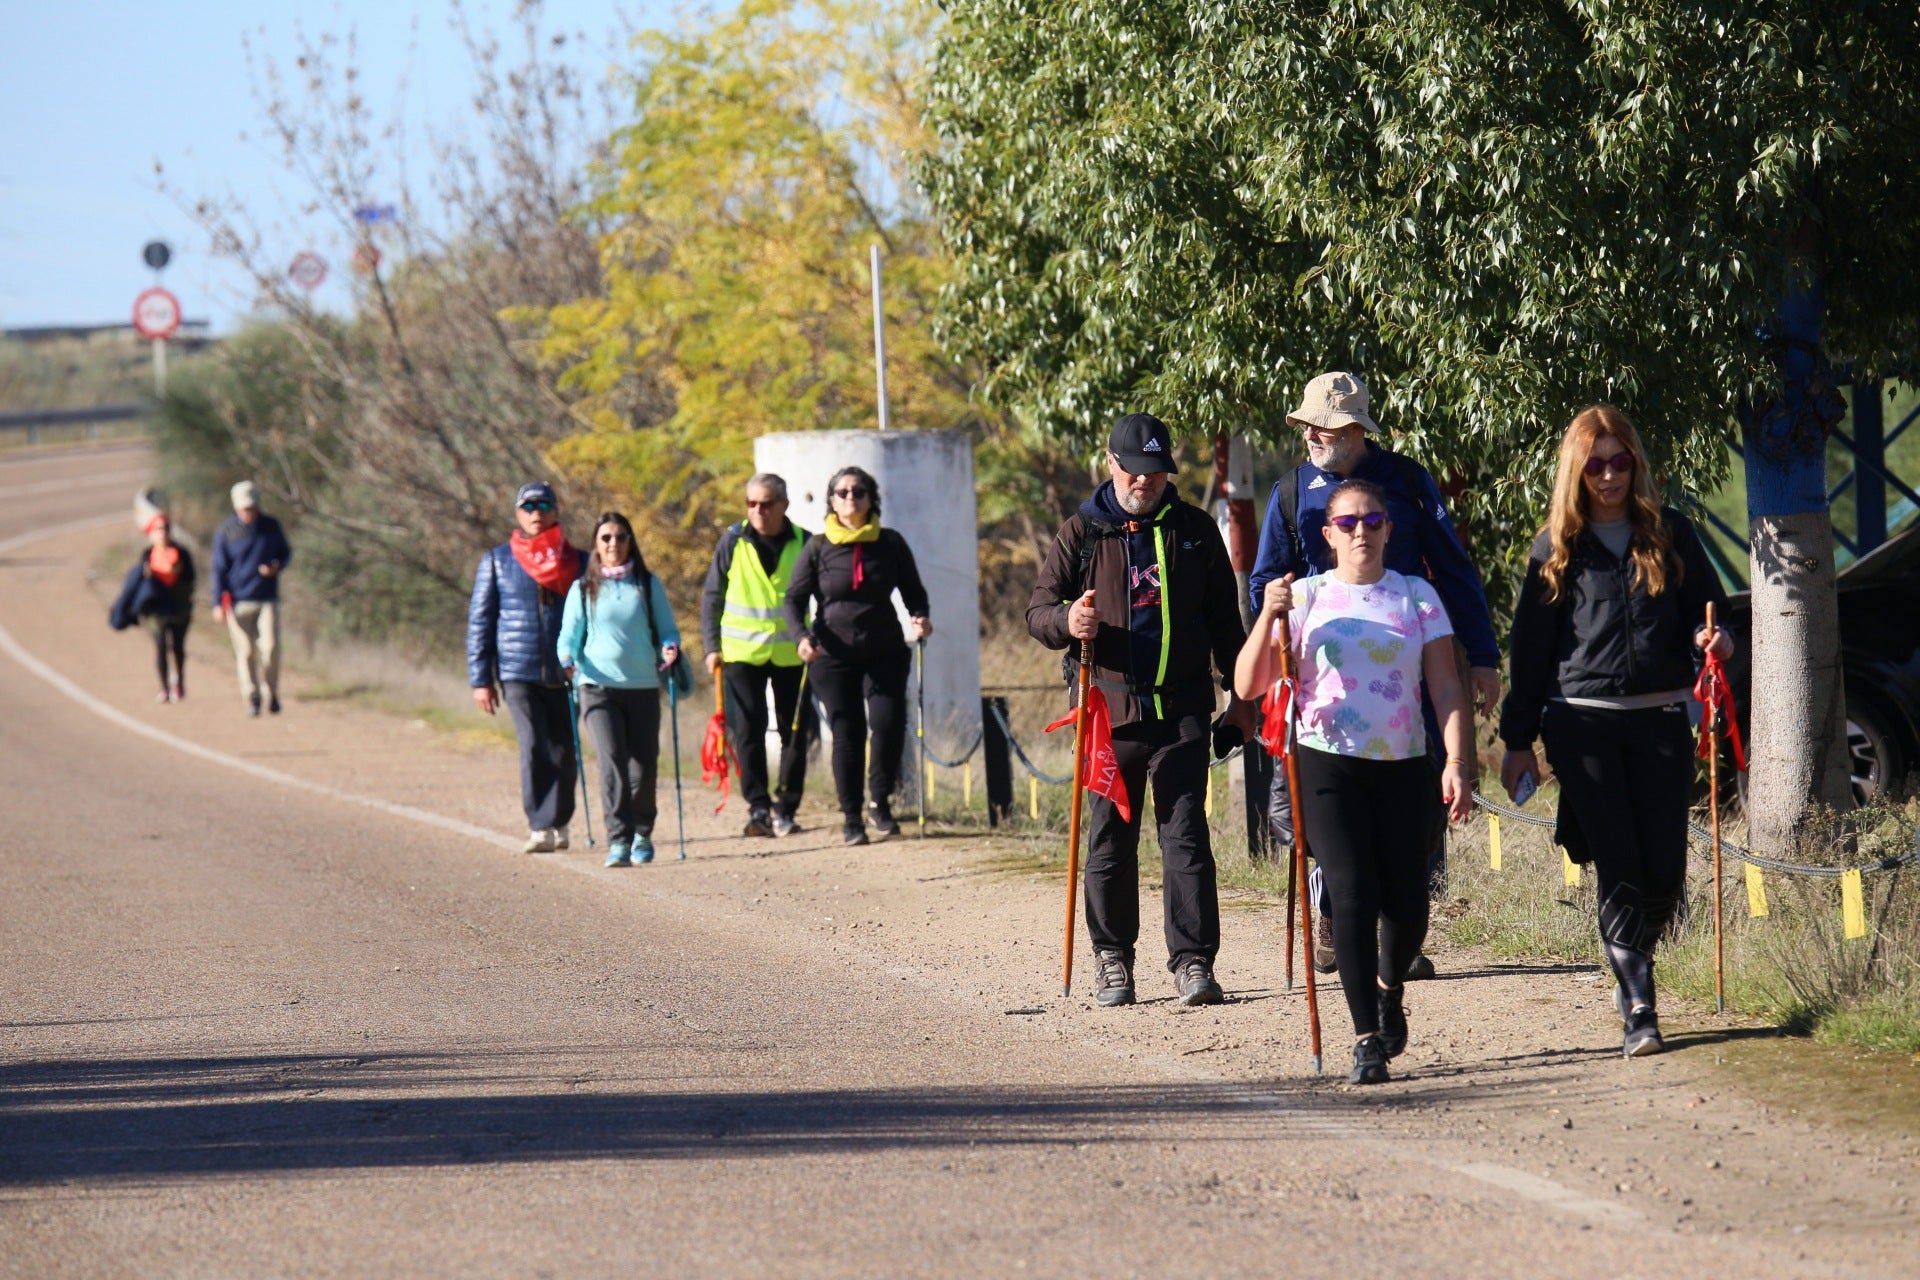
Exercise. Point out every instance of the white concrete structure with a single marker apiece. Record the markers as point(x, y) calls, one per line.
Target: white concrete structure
point(926, 493)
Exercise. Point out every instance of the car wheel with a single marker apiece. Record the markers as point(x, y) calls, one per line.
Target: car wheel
point(1874, 760)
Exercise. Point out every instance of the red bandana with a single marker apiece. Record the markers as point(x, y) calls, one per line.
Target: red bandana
point(164, 563)
point(548, 559)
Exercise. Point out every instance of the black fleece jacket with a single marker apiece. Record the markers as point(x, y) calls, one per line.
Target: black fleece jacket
point(854, 623)
point(1605, 637)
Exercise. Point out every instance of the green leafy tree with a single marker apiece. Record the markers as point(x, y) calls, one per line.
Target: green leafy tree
point(1496, 212)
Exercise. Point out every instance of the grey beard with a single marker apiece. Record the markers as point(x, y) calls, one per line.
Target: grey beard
point(1342, 461)
point(1131, 505)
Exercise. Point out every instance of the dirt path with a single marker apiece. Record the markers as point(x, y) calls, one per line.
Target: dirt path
point(290, 1004)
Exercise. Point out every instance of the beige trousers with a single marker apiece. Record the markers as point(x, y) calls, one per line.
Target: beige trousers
point(254, 627)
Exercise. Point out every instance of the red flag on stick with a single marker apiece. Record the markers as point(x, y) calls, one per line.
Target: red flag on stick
point(716, 753)
point(1713, 691)
point(1103, 767)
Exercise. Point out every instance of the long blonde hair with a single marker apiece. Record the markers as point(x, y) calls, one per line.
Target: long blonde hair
point(1567, 517)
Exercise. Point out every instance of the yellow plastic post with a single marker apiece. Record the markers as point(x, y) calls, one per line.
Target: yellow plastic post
point(1493, 841)
point(966, 785)
point(1853, 905)
point(1756, 892)
point(1033, 797)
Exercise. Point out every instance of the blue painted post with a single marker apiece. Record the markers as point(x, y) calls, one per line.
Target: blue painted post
point(1870, 463)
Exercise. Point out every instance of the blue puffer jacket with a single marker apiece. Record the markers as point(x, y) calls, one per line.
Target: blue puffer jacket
point(512, 625)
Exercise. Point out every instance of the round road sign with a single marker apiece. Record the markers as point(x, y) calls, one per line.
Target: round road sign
point(366, 259)
point(156, 255)
point(156, 314)
point(308, 270)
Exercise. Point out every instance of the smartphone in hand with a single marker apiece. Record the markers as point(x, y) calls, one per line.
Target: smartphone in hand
point(1524, 789)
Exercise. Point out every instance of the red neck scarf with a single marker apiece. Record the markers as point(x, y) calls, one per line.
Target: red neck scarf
point(548, 559)
point(164, 563)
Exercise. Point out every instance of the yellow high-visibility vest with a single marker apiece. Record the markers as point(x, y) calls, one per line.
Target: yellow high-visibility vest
point(753, 624)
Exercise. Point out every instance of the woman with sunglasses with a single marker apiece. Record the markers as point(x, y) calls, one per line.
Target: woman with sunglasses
point(1365, 639)
point(839, 608)
point(619, 639)
point(1603, 651)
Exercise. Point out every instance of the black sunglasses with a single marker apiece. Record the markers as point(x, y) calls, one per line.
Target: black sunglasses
point(615, 536)
point(1620, 463)
point(1372, 519)
point(536, 504)
point(857, 491)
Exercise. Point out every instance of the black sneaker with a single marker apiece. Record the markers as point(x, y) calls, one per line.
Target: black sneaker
point(273, 705)
point(1393, 1021)
point(853, 833)
point(1113, 978)
point(1369, 1062)
point(1643, 1034)
point(758, 824)
point(1194, 981)
point(881, 816)
point(783, 824)
point(1323, 944)
point(253, 705)
point(1421, 970)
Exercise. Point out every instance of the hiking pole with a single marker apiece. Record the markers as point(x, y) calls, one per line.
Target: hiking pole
point(1073, 820)
point(1284, 638)
point(679, 802)
point(1711, 729)
point(800, 699)
point(573, 718)
point(920, 729)
point(1285, 761)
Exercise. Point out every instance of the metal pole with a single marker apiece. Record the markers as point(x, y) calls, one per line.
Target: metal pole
point(879, 336)
point(1079, 794)
point(160, 367)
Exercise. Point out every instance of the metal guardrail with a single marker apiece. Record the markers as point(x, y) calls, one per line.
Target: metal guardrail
point(34, 421)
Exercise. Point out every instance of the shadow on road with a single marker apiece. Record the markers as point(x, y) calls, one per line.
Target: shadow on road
point(76, 1119)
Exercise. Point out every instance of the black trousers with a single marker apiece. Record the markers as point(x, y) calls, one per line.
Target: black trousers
point(169, 636)
point(1365, 822)
point(625, 724)
point(1627, 777)
point(746, 686)
point(543, 723)
point(856, 696)
point(1169, 759)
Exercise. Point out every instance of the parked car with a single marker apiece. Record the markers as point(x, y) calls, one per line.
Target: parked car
point(1880, 658)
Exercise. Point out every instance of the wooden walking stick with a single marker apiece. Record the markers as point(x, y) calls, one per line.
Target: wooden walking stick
point(1286, 751)
point(1711, 728)
point(1079, 794)
point(1298, 872)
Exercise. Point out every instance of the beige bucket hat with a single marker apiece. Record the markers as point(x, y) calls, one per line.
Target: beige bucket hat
point(1334, 400)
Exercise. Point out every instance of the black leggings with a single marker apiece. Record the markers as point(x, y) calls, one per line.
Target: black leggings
point(170, 634)
point(1367, 825)
point(854, 695)
point(1626, 777)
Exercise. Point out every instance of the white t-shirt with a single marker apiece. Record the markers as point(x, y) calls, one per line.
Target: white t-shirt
point(1359, 653)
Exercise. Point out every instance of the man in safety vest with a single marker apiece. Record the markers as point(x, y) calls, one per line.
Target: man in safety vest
point(748, 648)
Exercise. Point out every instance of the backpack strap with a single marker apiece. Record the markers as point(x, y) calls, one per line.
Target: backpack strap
point(1290, 513)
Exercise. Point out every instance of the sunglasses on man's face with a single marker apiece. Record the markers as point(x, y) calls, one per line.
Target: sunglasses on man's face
point(857, 491)
point(536, 504)
point(1371, 519)
point(1620, 463)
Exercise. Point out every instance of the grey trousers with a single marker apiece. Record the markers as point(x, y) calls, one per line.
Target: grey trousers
point(625, 724)
point(543, 723)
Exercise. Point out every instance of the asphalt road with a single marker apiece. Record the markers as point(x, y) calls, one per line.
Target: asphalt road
point(285, 1007)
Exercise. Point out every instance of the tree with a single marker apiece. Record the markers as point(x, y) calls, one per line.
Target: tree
point(1498, 212)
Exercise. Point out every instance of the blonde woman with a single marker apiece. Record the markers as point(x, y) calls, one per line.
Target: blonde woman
point(1604, 644)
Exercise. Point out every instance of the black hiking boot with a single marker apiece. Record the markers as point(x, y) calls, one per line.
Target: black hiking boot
point(853, 833)
point(1194, 981)
point(1113, 978)
point(881, 816)
point(1393, 1021)
point(1369, 1062)
point(1643, 1034)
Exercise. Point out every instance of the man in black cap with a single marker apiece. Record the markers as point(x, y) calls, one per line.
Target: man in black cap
point(1146, 578)
point(513, 624)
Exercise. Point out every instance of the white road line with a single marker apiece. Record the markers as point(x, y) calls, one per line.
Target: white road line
point(113, 714)
point(84, 482)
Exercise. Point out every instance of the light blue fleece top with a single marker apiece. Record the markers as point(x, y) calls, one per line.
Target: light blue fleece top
point(619, 652)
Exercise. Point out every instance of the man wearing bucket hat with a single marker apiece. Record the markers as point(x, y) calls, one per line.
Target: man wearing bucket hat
point(513, 629)
point(249, 551)
point(1147, 579)
point(1343, 443)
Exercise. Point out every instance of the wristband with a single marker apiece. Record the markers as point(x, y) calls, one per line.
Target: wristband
point(1455, 760)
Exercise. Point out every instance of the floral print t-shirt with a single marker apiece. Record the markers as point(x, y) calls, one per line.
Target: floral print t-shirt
point(1359, 654)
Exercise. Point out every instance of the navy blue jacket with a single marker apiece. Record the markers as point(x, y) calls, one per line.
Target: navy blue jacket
point(512, 625)
point(142, 594)
point(239, 549)
point(1423, 544)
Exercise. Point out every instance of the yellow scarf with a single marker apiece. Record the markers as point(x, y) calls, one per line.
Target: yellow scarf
point(839, 535)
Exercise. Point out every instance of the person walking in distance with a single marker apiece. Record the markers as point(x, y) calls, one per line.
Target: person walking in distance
point(618, 636)
point(1145, 577)
point(742, 621)
point(1610, 616)
point(839, 612)
point(1335, 418)
point(1367, 641)
point(158, 594)
point(513, 626)
point(249, 554)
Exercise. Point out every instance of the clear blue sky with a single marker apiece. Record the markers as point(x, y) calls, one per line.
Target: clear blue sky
point(92, 94)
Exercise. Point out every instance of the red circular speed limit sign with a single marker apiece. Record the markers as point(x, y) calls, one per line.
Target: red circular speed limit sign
point(308, 271)
point(156, 314)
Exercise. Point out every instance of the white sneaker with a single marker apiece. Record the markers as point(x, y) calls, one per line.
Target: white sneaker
point(560, 840)
point(540, 841)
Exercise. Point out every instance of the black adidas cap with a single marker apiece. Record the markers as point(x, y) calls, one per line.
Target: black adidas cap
point(1141, 444)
